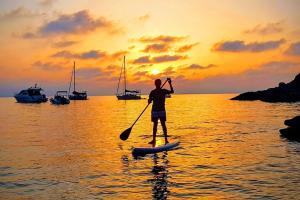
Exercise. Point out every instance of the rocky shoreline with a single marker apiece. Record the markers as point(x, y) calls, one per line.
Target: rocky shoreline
point(292, 132)
point(285, 92)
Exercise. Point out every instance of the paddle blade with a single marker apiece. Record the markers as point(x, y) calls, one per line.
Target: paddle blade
point(125, 134)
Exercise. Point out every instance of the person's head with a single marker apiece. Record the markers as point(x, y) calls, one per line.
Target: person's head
point(157, 83)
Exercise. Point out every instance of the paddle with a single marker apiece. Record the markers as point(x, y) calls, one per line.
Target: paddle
point(125, 135)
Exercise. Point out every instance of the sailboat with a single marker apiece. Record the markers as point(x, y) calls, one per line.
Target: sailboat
point(76, 95)
point(126, 94)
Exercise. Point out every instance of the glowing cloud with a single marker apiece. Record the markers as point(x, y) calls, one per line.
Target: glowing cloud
point(161, 38)
point(294, 49)
point(156, 48)
point(267, 29)
point(93, 54)
point(79, 22)
point(185, 48)
point(158, 59)
point(47, 66)
point(200, 67)
point(240, 46)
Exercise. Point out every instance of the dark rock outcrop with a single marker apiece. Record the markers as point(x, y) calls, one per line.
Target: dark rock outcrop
point(295, 122)
point(293, 131)
point(289, 92)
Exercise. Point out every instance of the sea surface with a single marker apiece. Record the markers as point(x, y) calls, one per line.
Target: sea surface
point(228, 150)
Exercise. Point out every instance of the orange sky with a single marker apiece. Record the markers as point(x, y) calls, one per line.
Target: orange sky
point(205, 46)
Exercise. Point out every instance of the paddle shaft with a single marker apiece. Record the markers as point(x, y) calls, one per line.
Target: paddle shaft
point(146, 107)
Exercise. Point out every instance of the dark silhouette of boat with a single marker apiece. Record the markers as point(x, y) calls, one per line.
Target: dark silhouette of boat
point(60, 98)
point(127, 94)
point(75, 94)
point(31, 95)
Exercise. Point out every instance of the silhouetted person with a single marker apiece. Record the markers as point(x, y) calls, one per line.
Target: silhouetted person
point(158, 96)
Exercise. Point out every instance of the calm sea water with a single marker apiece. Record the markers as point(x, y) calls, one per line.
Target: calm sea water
point(229, 150)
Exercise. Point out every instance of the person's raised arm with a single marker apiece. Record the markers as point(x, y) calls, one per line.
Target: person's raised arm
point(171, 87)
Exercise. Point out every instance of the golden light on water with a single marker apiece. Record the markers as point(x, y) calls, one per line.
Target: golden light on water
point(227, 150)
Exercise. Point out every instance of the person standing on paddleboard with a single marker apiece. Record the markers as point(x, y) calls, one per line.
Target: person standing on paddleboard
point(158, 97)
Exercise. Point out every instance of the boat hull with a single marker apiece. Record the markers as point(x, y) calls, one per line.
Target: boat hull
point(56, 101)
point(31, 99)
point(128, 97)
point(77, 97)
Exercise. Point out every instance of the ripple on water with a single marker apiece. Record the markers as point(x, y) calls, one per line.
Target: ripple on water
point(228, 150)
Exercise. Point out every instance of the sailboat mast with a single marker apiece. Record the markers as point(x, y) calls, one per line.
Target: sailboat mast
point(119, 79)
point(70, 85)
point(74, 76)
point(125, 75)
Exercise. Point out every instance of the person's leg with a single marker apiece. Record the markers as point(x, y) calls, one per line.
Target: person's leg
point(164, 127)
point(155, 122)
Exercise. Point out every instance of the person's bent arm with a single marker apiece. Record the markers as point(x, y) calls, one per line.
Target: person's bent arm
point(171, 87)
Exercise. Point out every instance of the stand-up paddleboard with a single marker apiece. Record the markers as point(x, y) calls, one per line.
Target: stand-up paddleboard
point(141, 151)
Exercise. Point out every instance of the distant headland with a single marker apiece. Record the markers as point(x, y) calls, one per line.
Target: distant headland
point(285, 92)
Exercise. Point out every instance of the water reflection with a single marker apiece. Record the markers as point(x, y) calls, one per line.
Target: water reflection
point(229, 150)
point(160, 176)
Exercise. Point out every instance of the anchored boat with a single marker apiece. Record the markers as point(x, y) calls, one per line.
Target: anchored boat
point(75, 94)
point(60, 98)
point(31, 95)
point(126, 94)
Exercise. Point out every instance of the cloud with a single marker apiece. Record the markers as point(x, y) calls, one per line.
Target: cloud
point(185, 48)
point(241, 46)
point(200, 67)
point(28, 35)
point(131, 47)
point(168, 71)
point(19, 13)
point(144, 18)
point(46, 2)
point(167, 58)
point(161, 39)
point(89, 72)
point(278, 65)
point(267, 29)
point(145, 66)
point(140, 73)
point(65, 43)
point(294, 49)
point(158, 59)
point(47, 66)
point(118, 54)
point(112, 67)
point(142, 60)
point(76, 23)
point(264, 76)
point(92, 54)
point(156, 48)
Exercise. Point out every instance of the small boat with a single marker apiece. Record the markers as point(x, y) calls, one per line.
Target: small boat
point(127, 94)
point(60, 98)
point(31, 95)
point(75, 94)
point(142, 151)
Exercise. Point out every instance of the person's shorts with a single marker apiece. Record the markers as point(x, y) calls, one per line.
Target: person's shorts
point(161, 115)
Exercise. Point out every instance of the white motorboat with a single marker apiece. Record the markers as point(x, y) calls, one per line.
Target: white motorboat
point(31, 95)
